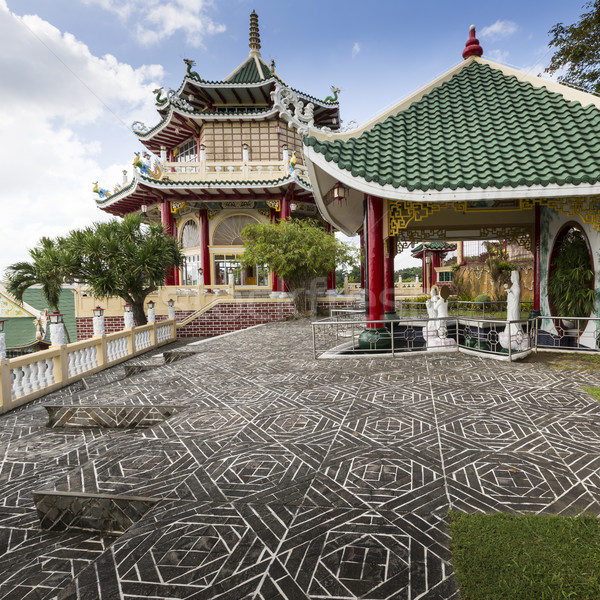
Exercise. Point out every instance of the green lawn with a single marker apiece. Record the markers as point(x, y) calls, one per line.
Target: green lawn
point(594, 391)
point(526, 557)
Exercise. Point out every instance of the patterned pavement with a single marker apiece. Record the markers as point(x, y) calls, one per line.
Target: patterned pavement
point(280, 476)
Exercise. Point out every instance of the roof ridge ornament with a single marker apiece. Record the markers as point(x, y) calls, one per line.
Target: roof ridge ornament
point(254, 33)
point(472, 47)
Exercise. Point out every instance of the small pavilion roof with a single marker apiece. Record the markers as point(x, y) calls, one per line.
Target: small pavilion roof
point(438, 246)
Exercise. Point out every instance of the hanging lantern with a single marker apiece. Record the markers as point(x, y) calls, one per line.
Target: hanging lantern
point(338, 193)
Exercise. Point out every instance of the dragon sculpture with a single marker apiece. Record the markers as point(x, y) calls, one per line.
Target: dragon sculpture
point(189, 73)
point(158, 92)
point(335, 91)
point(102, 193)
point(145, 167)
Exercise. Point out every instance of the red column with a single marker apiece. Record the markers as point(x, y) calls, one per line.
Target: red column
point(375, 260)
point(390, 296)
point(166, 218)
point(204, 246)
point(362, 256)
point(537, 257)
point(331, 274)
point(274, 278)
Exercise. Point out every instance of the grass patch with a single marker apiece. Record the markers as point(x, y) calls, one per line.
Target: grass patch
point(526, 557)
point(566, 360)
point(594, 391)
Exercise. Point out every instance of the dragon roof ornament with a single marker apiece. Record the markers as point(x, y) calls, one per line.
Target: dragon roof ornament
point(293, 110)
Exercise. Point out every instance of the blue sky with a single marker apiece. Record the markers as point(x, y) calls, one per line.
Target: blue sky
point(76, 73)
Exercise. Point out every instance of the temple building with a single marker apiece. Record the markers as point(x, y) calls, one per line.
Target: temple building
point(227, 158)
point(484, 152)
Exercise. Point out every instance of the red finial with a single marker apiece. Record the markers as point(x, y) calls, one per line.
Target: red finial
point(472, 47)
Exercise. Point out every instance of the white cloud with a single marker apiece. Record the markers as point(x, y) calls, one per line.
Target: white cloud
point(48, 155)
point(500, 56)
point(157, 20)
point(498, 30)
point(355, 49)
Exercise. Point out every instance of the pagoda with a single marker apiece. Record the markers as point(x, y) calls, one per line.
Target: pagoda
point(224, 154)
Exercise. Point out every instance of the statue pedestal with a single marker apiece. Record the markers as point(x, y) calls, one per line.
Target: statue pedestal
point(435, 341)
point(518, 340)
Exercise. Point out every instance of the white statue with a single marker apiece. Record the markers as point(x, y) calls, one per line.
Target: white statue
point(513, 296)
point(436, 332)
point(431, 308)
point(513, 334)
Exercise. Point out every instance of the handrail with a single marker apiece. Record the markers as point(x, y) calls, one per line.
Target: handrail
point(27, 377)
point(200, 311)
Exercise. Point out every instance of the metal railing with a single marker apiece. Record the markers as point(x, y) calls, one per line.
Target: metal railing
point(461, 308)
point(339, 335)
point(581, 334)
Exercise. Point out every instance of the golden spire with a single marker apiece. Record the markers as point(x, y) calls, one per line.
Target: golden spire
point(254, 35)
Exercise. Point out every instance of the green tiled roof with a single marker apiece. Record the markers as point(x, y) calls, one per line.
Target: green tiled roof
point(481, 128)
point(249, 72)
point(446, 246)
point(19, 331)
point(66, 305)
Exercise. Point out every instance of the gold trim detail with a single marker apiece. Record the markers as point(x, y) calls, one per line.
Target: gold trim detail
point(402, 212)
point(276, 204)
point(177, 205)
point(265, 212)
point(211, 213)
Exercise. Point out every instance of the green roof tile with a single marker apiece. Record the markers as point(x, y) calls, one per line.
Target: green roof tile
point(248, 72)
point(19, 331)
point(481, 128)
point(66, 305)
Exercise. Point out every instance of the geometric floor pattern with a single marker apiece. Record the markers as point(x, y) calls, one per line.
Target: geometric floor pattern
point(281, 476)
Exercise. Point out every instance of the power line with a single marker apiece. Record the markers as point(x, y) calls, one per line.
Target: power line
point(66, 66)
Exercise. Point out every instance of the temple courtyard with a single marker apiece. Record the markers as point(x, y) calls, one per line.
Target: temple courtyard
point(252, 470)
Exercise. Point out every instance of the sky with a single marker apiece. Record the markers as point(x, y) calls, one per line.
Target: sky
point(75, 74)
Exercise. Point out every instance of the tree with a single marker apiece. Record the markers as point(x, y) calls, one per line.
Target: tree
point(123, 258)
point(571, 281)
point(297, 250)
point(578, 50)
point(45, 269)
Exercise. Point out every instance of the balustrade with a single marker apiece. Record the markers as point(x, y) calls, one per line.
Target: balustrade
point(28, 377)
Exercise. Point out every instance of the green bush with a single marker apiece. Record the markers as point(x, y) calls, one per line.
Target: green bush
point(482, 298)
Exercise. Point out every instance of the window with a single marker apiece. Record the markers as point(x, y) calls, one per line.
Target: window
point(445, 276)
point(226, 264)
point(190, 236)
point(229, 231)
point(191, 264)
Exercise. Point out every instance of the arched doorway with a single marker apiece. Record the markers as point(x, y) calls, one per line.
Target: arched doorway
point(190, 245)
point(571, 277)
point(227, 245)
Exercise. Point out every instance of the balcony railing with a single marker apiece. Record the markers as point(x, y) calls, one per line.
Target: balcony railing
point(34, 375)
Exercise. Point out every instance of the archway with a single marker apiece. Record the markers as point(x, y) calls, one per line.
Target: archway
point(571, 277)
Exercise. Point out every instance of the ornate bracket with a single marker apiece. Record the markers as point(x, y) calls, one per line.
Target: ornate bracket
point(292, 109)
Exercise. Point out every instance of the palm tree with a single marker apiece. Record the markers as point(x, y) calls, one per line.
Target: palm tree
point(123, 258)
point(46, 269)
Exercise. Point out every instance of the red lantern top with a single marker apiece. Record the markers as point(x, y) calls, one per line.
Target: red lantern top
point(472, 47)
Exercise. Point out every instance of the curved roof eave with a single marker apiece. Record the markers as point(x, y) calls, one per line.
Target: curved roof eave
point(319, 168)
point(155, 184)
